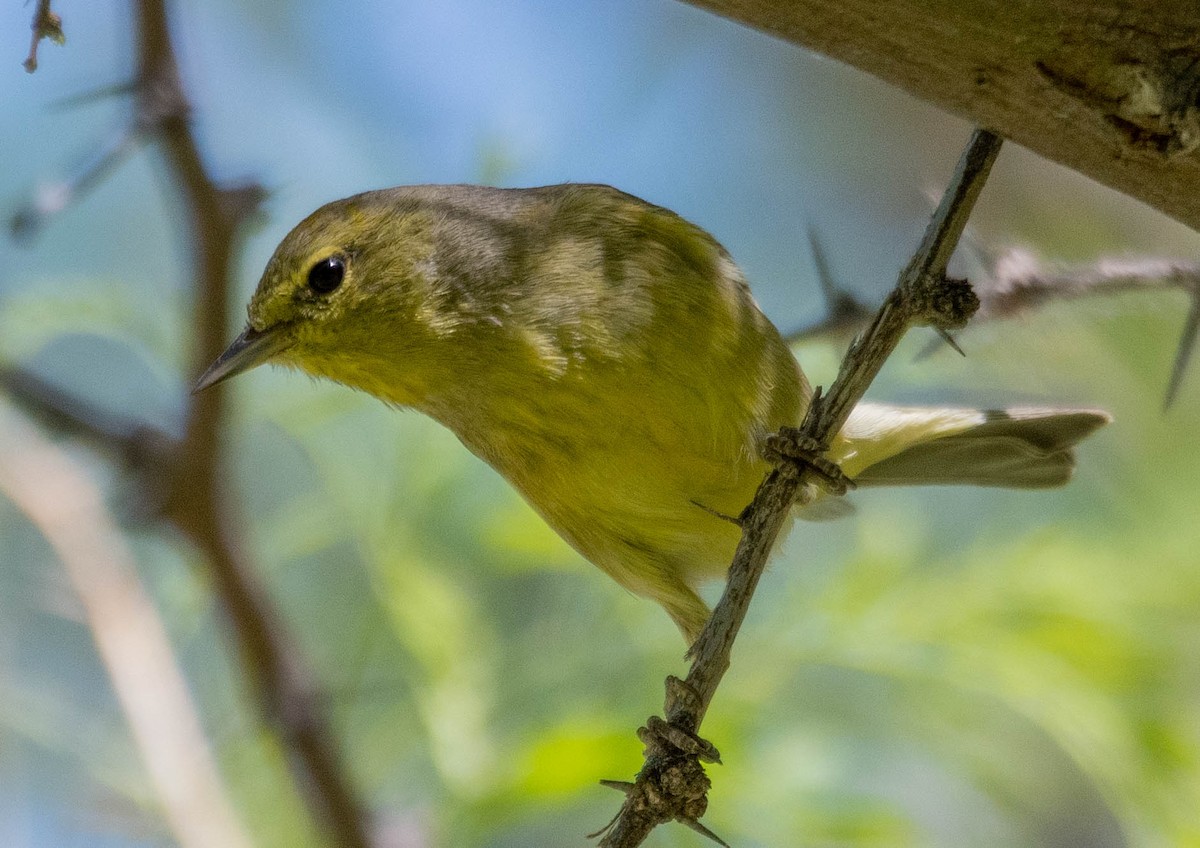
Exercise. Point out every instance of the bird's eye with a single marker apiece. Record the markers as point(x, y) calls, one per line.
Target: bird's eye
point(327, 274)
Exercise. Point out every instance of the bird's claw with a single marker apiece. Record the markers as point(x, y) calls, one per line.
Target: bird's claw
point(791, 448)
point(659, 732)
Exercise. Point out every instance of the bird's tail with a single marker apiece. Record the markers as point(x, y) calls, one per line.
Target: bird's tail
point(1016, 448)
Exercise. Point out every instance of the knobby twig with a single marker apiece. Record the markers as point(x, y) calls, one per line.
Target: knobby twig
point(1015, 282)
point(195, 498)
point(67, 507)
point(46, 24)
point(672, 784)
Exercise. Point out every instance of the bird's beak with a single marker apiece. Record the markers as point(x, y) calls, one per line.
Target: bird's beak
point(253, 347)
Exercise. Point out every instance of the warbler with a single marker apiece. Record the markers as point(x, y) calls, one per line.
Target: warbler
point(607, 358)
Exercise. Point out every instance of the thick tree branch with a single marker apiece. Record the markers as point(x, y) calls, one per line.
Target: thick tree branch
point(1108, 88)
point(672, 783)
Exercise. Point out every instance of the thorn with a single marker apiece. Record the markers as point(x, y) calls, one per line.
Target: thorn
point(824, 276)
point(843, 311)
point(934, 345)
point(83, 98)
point(620, 785)
point(1187, 342)
point(949, 339)
point(732, 519)
point(607, 827)
point(704, 831)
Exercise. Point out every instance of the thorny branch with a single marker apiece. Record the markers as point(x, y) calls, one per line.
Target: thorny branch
point(672, 784)
point(1020, 283)
point(195, 498)
point(1015, 282)
point(46, 24)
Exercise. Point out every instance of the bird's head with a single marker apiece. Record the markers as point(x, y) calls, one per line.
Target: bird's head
point(349, 294)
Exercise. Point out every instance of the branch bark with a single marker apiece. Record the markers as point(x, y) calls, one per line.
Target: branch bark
point(1109, 88)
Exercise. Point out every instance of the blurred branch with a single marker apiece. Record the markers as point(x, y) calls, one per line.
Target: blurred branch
point(51, 198)
point(146, 451)
point(46, 24)
point(286, 694)
point(196, 500)
point(1107, 88)
point(672, 784)
point(1019, 283)
point(1016, 282)
point(67, 507)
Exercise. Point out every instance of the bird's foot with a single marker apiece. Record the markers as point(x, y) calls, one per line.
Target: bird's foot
point(790, 447)
point(660, 733)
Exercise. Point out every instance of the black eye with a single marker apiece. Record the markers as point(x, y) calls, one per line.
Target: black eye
point(327, 274)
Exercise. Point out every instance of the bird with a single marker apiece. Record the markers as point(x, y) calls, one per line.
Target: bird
point(607, 358)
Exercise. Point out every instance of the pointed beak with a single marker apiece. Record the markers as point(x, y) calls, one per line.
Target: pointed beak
point(253, 347)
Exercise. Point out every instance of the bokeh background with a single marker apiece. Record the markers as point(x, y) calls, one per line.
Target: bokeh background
point(949, 667)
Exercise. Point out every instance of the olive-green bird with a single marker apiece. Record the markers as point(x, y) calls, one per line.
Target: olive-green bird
point(606, 357)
